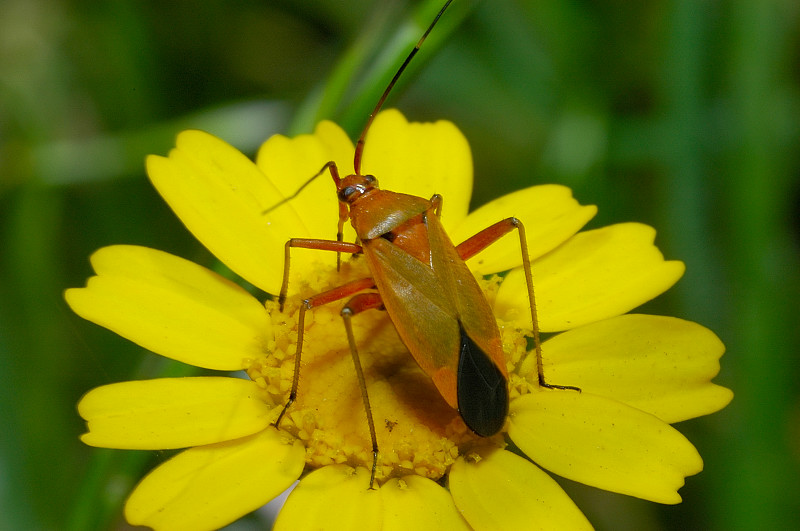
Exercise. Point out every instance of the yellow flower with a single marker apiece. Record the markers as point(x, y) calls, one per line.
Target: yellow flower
point(637, 373)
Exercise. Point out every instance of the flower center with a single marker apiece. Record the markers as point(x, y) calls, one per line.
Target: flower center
point(417, 431)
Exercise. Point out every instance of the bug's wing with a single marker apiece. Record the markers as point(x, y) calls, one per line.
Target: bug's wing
point(481, 381)
point(443, 318)
point(471, 308)
point(425, 320)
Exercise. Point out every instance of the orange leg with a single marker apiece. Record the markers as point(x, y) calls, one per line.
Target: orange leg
point(319, 245)
point(357, 304)
point(325, 297)
point(484, 239)
point(331, 167)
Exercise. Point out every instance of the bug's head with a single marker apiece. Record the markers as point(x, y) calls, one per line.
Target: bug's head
point(353, 187)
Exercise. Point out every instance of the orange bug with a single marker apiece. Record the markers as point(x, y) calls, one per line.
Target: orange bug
point(420, 279)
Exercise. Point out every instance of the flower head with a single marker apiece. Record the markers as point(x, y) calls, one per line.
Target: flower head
point(637, 373)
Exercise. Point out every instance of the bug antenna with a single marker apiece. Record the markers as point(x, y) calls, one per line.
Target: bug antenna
point(363, 136)
point(297, 192)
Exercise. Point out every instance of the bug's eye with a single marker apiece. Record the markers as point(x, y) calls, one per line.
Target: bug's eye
point(370, 179)
point(347, 193)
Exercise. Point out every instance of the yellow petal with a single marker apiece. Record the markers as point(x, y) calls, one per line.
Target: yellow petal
point(421, 159)
point(419, 503)
point(220, 195)
point(661, 365)
point(501, 490)
point(550, 215)
point(595, 275)
point(172, 307)
point(335, 497)
point(290, 162)
point(172, 412)
point(603, 443)
point(210, 486)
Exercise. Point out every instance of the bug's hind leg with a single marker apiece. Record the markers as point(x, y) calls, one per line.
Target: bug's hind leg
point(485, 238)
point(356, 305)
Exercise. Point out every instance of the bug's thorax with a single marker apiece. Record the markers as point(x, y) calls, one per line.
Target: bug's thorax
point(376, 213)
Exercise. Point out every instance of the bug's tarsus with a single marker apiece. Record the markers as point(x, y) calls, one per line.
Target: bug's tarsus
point(546, 385)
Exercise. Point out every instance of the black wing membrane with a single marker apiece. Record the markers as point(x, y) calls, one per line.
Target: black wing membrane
point(482, 389)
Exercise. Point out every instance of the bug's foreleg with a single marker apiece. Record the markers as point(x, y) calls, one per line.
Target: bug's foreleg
point(344, 212)
point(306, 243)
point(358, 304)
point(317, 300)
point(485, 238)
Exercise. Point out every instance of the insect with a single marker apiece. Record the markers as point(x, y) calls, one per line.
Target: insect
point(419, 277)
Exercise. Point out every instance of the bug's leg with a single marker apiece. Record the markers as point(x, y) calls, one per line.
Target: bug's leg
point(330, 166)
point(319, 299)
point(344, 211)
point(437, 202)
point(358, 304)
point(485, 238)
point(319, 245)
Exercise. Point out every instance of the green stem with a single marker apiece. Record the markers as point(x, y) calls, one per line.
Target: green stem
point(356, 83)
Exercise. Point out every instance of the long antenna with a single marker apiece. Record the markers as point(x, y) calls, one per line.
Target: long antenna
point(363, 136)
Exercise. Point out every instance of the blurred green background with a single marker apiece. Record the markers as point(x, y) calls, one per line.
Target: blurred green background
point(681, 114)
